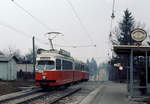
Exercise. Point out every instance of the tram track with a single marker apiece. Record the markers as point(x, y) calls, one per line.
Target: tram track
point(33, 96)
point(63, 96)
point(6, 98)
point(51, 97)
point(26, 98)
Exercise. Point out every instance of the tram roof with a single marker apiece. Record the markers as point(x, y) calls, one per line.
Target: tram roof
point(125, 49)
point(55, 53)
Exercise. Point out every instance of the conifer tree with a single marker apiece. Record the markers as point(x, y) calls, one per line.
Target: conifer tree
point(126, 26)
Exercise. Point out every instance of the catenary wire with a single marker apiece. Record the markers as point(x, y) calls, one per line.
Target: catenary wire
point(43, 24)
point(34, 17)
point(20, 32)
point(38, 39)
point(80, 21)
point(14, 29)
point(75, 46)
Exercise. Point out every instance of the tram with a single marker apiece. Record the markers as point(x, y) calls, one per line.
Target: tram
point(57, 68)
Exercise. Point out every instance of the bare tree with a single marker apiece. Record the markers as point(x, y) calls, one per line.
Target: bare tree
point(12, 51)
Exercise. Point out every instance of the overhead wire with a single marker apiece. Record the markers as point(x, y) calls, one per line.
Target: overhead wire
point(30, 36)
point(80, 21)
point(34, 17)
point(20, 32)
point(14, 29)
point(38, 39)
point(75, 46)
point(83, 27)
point(45, 26)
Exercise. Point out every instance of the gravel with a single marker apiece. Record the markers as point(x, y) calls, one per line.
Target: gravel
point(7, 87)
point(87, 87)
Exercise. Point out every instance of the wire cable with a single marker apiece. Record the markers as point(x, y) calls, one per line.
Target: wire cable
point(14, 29)
point(44, 25)
point(21, 32)
point(38, 39)
point(75, 46)
point(35, 18)
point(80, 21)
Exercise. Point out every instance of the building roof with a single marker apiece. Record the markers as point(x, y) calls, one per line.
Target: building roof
point(130, 46)
point(6, 59)
point(125, 49)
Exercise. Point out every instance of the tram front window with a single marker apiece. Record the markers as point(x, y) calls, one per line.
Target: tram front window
point(45, 65)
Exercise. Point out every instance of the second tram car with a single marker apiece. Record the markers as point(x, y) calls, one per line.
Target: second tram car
point(56, 68)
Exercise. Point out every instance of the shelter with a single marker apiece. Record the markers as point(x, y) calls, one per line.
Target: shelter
point(139, 63)
point(8, 68)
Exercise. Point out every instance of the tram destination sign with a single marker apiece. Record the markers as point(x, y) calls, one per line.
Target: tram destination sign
point(138, 35)
point(44, 58)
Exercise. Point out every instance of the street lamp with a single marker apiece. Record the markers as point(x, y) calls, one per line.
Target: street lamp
point(51, 36)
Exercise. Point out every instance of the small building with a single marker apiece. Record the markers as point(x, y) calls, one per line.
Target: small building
point(8, 68)
point(24, 70)
point(25, 67)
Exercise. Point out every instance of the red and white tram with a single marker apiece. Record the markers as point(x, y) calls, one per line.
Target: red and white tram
point(56, 68)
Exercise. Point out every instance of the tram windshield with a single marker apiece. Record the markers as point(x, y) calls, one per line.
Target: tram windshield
point(45, 65)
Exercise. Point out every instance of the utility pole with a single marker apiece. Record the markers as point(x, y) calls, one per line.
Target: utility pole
point(33, 40)
point(113, 10)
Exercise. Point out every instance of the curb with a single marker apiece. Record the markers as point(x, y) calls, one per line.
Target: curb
point(89, 99)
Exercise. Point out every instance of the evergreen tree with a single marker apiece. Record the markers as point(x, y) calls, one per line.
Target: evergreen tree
point(93, 68)
point(87, 62)
point(126, 26)
point(123, 38)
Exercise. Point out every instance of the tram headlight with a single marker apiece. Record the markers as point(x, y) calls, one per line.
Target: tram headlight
point(44, 77)
point(40, 71)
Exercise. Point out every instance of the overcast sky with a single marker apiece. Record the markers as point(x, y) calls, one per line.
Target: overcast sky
point(59, 16)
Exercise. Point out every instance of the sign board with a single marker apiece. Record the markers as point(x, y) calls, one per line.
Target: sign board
point(138, 35)
point(117, 64)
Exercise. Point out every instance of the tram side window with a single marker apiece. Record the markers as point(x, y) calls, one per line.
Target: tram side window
point(82, 67)
point(58, 64)
point(77, 66)
point(67, 65)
